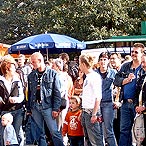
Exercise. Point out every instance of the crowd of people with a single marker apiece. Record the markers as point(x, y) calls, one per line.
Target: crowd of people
point(101, 99)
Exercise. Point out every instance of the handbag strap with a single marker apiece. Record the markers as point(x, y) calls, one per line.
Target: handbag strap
point(140, 94)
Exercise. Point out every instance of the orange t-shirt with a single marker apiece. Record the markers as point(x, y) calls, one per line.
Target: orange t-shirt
point(72, 126)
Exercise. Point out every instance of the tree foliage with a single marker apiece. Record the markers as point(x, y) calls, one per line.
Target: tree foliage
point(84, 20)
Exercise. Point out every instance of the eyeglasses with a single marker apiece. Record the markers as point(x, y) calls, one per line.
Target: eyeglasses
point(136, 52)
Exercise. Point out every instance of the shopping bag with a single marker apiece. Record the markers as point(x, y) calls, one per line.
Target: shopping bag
point(138, 131)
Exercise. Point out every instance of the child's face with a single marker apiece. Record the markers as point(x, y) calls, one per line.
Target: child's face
point(73, 104)
point(4, 121)
point(81, 74)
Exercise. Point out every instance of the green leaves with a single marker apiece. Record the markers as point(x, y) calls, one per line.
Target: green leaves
point(84, 20)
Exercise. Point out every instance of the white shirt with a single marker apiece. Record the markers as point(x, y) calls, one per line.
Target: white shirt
point(63, 83)
point(92, 89)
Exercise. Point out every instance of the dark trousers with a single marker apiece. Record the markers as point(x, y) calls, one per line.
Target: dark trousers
point(76, 140)
point(116, 125)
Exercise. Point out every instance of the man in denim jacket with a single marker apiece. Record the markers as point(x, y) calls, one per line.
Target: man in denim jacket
point(44, 99)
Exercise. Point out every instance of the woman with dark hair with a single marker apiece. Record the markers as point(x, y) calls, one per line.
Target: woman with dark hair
point(78, 83)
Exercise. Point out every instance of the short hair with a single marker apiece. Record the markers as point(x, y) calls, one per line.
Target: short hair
point(117, 54)
point(9, 117)
point(65, 67)
point(77, 98)
point(38, 55)
point(87, 59)
point(139, 45)
point(103, 55)
point(21, 56)
point(7, 60)
point(64, 56)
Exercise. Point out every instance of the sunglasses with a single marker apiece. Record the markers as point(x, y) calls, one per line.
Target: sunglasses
point(136, 52)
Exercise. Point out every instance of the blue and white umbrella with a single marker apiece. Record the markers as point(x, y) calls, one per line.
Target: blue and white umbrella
point(54, 43)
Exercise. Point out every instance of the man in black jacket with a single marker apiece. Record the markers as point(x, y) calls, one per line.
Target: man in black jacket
point(141, 85)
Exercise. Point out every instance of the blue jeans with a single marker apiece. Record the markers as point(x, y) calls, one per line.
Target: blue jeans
point(17, 122)
point(92, 131)
point(126, 122)
point(32, 131)
point(107, 112)
point(40, 115)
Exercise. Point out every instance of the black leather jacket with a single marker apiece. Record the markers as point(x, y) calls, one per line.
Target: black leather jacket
point(4, 94)
point(141, 76)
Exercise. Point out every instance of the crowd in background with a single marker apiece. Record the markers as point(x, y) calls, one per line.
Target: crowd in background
point(101, 99)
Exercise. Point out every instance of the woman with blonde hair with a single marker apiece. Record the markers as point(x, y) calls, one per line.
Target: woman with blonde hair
point(11, 94)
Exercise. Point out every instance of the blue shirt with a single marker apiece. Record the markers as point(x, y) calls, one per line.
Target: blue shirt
point(130, 88)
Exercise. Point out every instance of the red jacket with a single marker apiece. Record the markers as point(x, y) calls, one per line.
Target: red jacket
point(72, 126)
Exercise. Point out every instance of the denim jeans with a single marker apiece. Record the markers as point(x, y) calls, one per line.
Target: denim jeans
point(107, 112)
point(92, 131)
point(76, 140)
point(40, 115)
point(126, 122)
point(17, 122)
point(32, 131)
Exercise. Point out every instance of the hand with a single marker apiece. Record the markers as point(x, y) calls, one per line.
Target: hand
point(1, 100)
point(55, 114)
point(131, 76)
point(139, 109)
point(117, 105)
point(93, 119)
point(12, 100)
point(7, 142)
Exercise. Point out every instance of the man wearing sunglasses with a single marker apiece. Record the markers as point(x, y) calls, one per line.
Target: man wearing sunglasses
point(126, 79)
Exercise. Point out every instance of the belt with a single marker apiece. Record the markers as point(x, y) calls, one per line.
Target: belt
point(128, 100)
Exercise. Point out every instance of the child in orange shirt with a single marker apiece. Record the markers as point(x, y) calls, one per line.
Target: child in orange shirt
point(72, 124)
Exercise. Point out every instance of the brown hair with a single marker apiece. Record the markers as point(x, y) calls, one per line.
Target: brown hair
point(139, 45)
point(64, 56)
point(103, 55)
point(65, 67)
point(77, 98)
point(117, 54)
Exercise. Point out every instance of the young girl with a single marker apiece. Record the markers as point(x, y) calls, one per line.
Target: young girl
point(72, 125)
point(10, 138)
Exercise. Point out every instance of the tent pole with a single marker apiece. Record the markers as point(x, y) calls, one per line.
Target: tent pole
point(47, 53)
